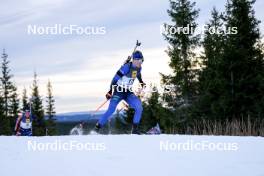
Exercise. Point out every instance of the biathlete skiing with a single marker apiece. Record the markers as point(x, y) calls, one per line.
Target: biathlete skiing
point(23, 125)
point(121, 89)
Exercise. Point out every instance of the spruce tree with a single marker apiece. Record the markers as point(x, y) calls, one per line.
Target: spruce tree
point(6, 93)
point(181, 52)
point(50, 111)
point(39, 128)
point(243, 64)
point(208, 105)
point(25, 103)
point(3, 121)
point(14, 106)
point(183, 63)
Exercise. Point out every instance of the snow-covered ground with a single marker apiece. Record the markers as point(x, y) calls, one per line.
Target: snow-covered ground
point(132, 155)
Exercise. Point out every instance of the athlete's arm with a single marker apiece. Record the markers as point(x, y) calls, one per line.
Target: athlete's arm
point(139, 77)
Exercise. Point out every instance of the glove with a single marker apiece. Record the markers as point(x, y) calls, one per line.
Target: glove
point(108, 95)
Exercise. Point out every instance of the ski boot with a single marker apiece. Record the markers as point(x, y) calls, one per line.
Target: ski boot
point(96, 129)
point(135, 129)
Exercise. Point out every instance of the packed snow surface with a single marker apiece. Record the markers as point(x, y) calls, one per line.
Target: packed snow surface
point(132, 155)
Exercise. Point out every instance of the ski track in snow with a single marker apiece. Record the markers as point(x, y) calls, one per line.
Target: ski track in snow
point(132, 155)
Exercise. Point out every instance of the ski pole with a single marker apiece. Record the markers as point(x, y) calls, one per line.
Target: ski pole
point(101, 106)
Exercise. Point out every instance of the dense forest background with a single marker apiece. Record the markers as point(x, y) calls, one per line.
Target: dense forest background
point(219, 91)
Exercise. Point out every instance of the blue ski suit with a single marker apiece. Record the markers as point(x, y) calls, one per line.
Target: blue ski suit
point(123, 80)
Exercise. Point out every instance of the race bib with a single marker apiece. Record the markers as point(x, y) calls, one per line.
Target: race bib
point(27, 122)
point(134, 74)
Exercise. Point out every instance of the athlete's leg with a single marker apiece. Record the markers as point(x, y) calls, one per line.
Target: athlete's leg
point(111, 109)
point(136, 104)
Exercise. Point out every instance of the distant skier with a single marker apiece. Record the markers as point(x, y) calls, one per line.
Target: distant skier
point(24, 124)
point(121, 89)
point(78, 129)
point(154, 130)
